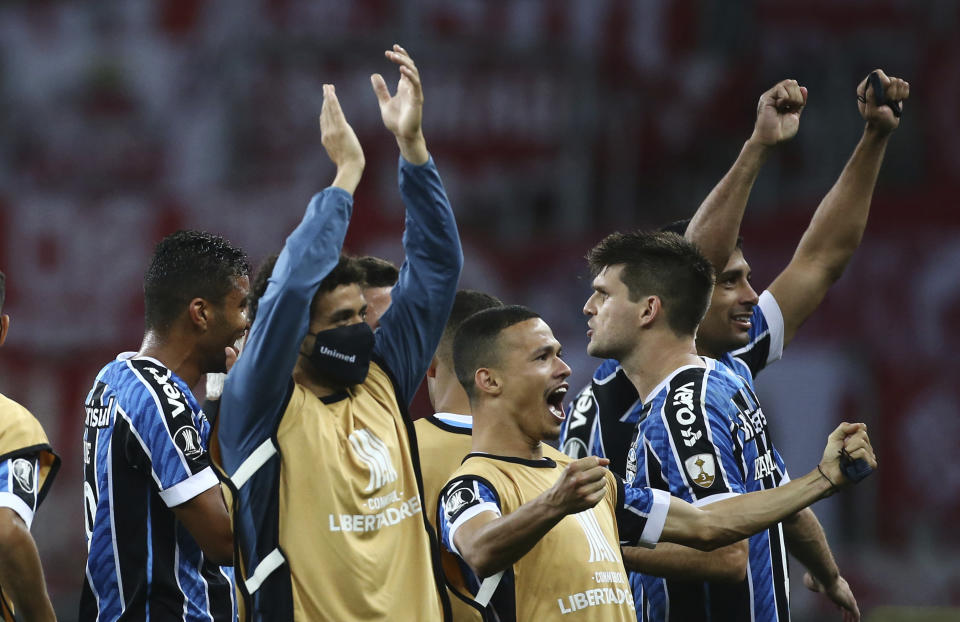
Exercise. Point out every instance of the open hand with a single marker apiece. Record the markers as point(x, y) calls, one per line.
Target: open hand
point(840, 593)
point(402, 113)
point(340, 141)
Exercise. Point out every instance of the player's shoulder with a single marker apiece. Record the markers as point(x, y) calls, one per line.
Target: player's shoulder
point(144, 387)
point(696, 389)
point(18, 427)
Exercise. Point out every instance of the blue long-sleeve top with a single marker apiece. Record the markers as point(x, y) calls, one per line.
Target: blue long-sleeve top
point(254, 397)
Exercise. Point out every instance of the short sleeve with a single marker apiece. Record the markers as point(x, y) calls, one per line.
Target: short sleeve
point(159, 434)
point(641, 514)
point(462, 499)
point(20, 485)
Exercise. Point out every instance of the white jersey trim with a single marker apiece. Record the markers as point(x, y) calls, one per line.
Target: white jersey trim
point(271, 562)
point(720, 496)
point(257, 458)
point(774, 316)
point(18, 505)
point(189, 488)
point(486, 506)
point(655, 519)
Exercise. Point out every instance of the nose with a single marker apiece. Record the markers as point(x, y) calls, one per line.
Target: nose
point(749, 295)
point(589, 306)
point(564, 370)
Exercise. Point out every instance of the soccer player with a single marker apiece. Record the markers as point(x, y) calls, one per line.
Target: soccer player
point(443, 440)
point(747, 332)
point(27, 469)
point(542, 530)
point(313, 429)
point(379, 277)
point(156, 524)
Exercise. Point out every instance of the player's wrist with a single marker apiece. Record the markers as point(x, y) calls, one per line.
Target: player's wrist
point(414, 148)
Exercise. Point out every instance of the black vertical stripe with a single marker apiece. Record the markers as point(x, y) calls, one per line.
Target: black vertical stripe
point(130, 517)
point(780, 572)
point(218, 590)
point(166, 599)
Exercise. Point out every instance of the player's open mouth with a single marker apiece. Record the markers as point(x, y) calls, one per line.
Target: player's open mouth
point(743, 320)
point(555, 401)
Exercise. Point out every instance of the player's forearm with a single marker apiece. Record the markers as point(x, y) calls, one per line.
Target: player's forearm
point(348, 176)
point(21, 573)
point(736, 518)
point(716, 224)
point(497, 545)
point(837, 227)
point(807, 542)
point(675, 561)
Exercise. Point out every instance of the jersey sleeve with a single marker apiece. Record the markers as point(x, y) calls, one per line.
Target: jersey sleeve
point(766, 335)
point(254, 393)
point(20, 486)
point(157, 434)
point(693, 437)
point(463, 498)
point(641, 514)
point(412, 325)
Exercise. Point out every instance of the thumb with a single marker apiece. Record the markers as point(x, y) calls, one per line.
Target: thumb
point(380, 88)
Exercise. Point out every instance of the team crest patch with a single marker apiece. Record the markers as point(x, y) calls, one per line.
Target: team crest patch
point(23, 473)
point(460, 498)
point(702, 469)
point(188, 440)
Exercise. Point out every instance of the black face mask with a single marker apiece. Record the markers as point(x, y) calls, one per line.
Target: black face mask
point(342, 354)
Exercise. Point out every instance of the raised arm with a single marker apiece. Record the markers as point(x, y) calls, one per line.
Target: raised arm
point(421, 300)
point(490, 543)
point(733, 519)
point(253, 397)
point(716, 224)
point(837, 226)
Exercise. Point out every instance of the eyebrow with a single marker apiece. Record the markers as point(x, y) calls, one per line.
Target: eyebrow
point(344, 314)
point(547, 350)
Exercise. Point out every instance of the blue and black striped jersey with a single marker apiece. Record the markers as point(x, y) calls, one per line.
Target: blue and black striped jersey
point(145, 451)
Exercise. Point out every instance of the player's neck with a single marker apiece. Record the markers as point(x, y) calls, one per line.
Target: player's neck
point(175, 354)
point(453, 401)
point(496, 432)
point(655, 359)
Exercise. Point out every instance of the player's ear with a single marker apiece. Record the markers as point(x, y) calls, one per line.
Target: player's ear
point(4, 327)
point(432, 370)
point(650, 309)
point(199, 311)
point(487, 381)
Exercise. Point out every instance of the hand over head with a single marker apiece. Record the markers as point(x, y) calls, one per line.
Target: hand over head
point(403, 112)
point(778, 113)
point(340, 141)
point(881, 118)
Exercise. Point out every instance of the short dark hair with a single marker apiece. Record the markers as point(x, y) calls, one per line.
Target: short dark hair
point(346, 272)
point(3, 288)
point(661, 264)
point(476, 343)
point(259, 286)
point(188, 265)
point(377, 272)
point(465, 304)
point(680, 228)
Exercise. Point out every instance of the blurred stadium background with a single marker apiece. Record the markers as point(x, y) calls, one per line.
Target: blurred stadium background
point(553, 122)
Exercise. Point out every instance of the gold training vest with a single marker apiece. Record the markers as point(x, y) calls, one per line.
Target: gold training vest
point(351, 523)
point(575, 572)
point(442, 448)
point(22, 435)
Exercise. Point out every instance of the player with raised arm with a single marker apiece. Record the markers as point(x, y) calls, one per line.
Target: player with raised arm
point(543, 531)
point(314, 432)
point(746, 332)
point(156, 523)
point(27, 470)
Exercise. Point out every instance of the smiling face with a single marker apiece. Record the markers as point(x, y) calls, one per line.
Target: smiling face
point(614, 319)
point(533, 377)
point(226, 323)
point(727, 324)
